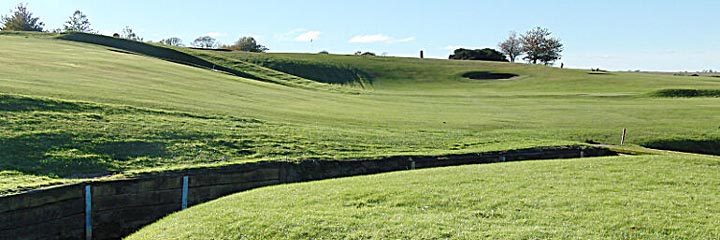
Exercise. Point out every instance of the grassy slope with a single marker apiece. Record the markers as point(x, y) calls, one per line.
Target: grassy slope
point(642, 197)
point(411, 107)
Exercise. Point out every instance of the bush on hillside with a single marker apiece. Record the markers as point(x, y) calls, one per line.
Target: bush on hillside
point(359, 53)
point(487, 54)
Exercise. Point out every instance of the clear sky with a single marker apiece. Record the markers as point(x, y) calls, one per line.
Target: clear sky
point(663, 35)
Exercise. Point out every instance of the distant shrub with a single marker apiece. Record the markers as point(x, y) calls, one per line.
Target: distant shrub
point(487, 54)
point(324, 52)
point(359, 53)
point(247, 44)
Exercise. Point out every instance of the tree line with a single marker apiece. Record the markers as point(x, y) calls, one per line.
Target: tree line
point(21, 19)
point(536, 44)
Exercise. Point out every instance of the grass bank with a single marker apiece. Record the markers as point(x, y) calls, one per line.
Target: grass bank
point(641, 197)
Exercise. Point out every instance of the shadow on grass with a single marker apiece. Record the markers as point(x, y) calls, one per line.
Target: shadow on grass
point(320, 73)
point(711, 147)
point(49, 154)
point(124, 151)
point(686, 93)
point(66, 156)
point(10, 103)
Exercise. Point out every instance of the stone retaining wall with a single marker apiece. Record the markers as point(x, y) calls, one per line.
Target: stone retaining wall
point(120, 207)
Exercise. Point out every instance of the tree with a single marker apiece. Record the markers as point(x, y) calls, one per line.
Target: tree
point(205, 42)
point(173, 41)
point(487, 54)
point(21, 20)
point(78, 22)
point(128, 33)
point(539, 46)
point(511, 47)
point(247, 44)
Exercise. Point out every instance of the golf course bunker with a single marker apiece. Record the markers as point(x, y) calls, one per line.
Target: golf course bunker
point(480, 75)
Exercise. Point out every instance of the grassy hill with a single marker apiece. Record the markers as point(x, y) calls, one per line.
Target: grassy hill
point(639, 197)
point(70, 102)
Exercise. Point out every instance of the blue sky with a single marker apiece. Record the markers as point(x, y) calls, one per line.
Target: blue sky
point(662, 35)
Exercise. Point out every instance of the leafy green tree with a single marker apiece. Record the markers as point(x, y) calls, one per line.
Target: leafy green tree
point(247, 44)
point(487, 54)
point(205, 42)
point(173, 41)
point(538, 45)
point(78, 22)
point(21, 20)
point(511, 47)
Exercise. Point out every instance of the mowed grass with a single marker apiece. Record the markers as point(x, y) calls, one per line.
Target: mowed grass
point(640, 197)
point(169, 115)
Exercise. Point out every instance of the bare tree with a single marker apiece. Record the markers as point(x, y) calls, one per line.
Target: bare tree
point(128, 33)
point(78, 22)
point(205, 42)
point(539, 46)
point(173, 41)
point(21, 20)
point(511, 47)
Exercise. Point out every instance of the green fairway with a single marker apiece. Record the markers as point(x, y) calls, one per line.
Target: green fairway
point(72, 110)
point(642, 197)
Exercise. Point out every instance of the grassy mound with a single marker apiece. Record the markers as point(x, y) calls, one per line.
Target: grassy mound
point(644, 197)
point(164, 53)
point(687, 93)
point(327, 72)
point(198, 58)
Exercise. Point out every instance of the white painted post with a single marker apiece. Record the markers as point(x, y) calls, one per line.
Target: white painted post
point(582, 154)
point(88, 212)
point(185, 192)
point(502, 158)
point(412, 164)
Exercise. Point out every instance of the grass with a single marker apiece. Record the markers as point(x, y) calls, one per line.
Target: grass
point(72, 110)
point(640, 197)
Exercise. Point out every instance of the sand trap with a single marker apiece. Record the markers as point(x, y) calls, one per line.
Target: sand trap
point(488, 75)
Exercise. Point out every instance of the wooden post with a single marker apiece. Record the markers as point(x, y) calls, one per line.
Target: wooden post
point(622, 140)
point(88, 212)
point(422, 54)
point(184, 195)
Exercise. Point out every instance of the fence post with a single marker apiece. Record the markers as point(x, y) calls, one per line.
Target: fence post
point(185, 192)
point(622, 140)
point(88, 212)
point(412, 164)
